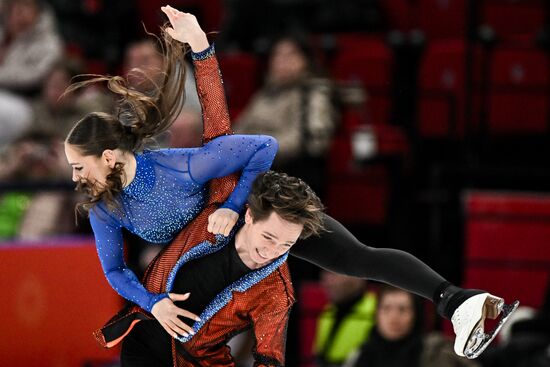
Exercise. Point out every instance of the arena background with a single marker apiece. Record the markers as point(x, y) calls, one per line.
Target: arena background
point(442, 149)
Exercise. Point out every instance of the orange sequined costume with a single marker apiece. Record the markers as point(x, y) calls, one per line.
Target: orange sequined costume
point(264, 306)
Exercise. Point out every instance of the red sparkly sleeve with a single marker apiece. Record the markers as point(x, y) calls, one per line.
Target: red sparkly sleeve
point(211, 94)
point(269, 317)
point(270, 336)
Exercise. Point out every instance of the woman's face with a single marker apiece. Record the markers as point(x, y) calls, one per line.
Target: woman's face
point(287, 63)
point(395, 315)
point(90, 169)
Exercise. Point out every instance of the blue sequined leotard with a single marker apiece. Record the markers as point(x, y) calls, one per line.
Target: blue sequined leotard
point(168, 191)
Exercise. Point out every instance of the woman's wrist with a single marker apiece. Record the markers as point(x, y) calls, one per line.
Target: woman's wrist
point(199, 42)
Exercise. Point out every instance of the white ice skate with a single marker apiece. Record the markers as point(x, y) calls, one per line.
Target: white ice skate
point(468, 323)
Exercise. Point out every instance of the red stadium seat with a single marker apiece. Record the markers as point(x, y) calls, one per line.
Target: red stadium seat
point(366, 61)
point(519, 92)
point(360, 198)
point(442, 85)
point(312, 299)
point(507, 238)
point(442, 18)
point(513, 20)
point(240, 76)
point(401, 14)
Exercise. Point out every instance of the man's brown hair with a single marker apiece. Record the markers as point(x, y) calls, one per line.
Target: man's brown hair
point(290, 197)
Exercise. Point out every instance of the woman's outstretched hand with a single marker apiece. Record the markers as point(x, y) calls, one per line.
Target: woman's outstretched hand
point(185, 28)
point(167, 313)
point(222, 221)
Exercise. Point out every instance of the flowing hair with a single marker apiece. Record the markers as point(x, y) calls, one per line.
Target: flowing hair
point(139, 116)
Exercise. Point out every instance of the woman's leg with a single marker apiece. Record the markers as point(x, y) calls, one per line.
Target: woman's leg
point(339, 251)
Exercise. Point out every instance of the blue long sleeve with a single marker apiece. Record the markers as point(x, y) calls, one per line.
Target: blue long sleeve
point(109, 244)
point(253, 154)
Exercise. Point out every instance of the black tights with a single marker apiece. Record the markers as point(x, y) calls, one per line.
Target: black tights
point(339, 251)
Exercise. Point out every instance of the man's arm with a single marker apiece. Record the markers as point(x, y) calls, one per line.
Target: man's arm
point(269, 328)
point(270, 317)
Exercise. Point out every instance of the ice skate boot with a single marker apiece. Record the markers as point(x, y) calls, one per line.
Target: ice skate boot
point(468, 323)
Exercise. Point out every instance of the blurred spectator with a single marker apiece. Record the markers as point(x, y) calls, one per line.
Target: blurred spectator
point(36, 157)
point(347, 320)
point(397, 339)
point(15, 117)
point(29, 45)
point(56, 112)
point(143, 64)
point(296, 107)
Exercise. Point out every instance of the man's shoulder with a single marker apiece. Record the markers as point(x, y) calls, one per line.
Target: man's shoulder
point(279, 281)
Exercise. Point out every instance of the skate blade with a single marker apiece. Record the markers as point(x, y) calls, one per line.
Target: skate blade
point(479, 340)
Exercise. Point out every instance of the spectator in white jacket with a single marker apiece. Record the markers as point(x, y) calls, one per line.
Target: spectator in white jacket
point(29, 45)
point(29, 48)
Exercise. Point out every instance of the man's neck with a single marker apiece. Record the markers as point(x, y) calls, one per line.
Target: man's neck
point(242, 248)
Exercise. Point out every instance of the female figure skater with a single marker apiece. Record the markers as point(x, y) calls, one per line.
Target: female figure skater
point(154, 194)
point(336, 249)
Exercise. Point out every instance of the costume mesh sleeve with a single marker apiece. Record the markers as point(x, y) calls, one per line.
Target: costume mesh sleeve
point(269, 328)
point(253, 154)
point(225, 154)
point(109, 244)
point(211, 94)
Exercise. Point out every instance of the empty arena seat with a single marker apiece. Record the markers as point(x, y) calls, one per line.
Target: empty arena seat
point(506, 250)
point(519, 91)
point(360, 198)
point(400, 14)
point(240, 77)
point(312, 300)
point(442, 86)
point(364, 59)
point(513, 20)
point(442, 18)
point(367, 62)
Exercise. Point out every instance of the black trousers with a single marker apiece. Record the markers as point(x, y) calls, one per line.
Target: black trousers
point(147, 345)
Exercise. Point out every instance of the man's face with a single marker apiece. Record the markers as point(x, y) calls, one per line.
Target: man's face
point(264, 241)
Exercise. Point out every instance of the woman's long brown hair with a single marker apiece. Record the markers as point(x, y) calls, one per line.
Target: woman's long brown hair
point(140, 115)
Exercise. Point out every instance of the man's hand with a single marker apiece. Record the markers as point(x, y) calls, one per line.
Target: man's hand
point(222, 221)
point(167, 313)
point(185, 28)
